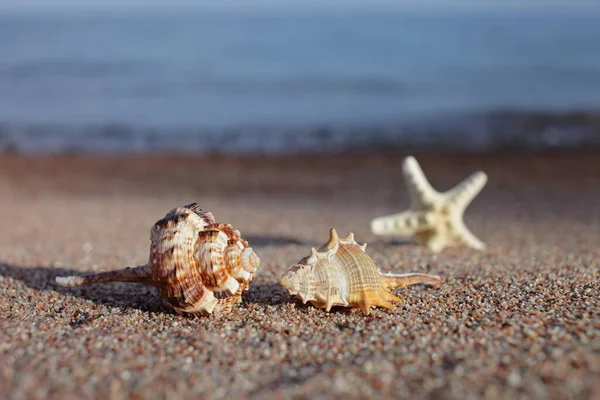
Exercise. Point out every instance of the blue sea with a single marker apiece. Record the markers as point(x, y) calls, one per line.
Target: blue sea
point(297, 82)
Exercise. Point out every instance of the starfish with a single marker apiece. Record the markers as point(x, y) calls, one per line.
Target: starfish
point(434, 219)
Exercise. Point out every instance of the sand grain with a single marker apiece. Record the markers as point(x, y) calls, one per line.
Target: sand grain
point(521, 319)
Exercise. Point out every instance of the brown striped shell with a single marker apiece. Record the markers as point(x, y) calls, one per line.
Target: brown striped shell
point(199, 266)
point(340, 273)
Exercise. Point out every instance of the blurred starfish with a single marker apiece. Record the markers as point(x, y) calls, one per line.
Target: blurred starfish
point(434, 219)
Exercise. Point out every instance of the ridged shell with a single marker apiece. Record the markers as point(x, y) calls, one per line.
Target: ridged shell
point(199, 266)
point(340, 273)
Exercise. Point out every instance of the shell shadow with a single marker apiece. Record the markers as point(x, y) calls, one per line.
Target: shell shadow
point(272, 293)
point(126, 295)
point(392, 243)
point(269, 293)
point(266, 240)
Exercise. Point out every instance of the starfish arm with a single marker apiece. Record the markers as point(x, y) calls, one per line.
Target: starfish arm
point(406, 223)
point(464, 193)
point(437, 242)
point(421, 193)
point(466, 237)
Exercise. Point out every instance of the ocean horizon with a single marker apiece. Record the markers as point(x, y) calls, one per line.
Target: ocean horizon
point(230, 82)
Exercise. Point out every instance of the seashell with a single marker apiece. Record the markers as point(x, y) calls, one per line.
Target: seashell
point(341, 274)
point(199, 266)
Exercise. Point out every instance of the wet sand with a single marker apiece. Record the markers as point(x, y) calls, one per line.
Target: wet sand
point(520, 320)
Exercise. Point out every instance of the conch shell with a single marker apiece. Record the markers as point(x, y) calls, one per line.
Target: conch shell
point(341, 274)
point(199, 266)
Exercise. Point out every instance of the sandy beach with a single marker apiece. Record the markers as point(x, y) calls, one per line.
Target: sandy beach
point(520, 320)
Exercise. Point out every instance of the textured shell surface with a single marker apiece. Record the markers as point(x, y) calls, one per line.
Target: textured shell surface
point(198, 265)
point(340, 273)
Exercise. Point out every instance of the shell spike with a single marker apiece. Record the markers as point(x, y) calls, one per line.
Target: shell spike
point(334, 239)
point(141, 274)
point(350, 237)
point(329, 304)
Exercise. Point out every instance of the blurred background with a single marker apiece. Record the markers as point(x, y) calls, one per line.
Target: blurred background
point(93, 93)
point(297, 76)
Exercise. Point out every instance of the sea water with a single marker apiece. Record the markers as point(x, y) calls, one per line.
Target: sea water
point(276, 82)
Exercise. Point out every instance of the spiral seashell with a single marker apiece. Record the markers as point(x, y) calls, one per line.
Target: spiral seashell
point(199, 266)
point(341, 274)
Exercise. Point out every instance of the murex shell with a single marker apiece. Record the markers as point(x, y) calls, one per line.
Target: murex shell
point(199, 266)
point(340, 273)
